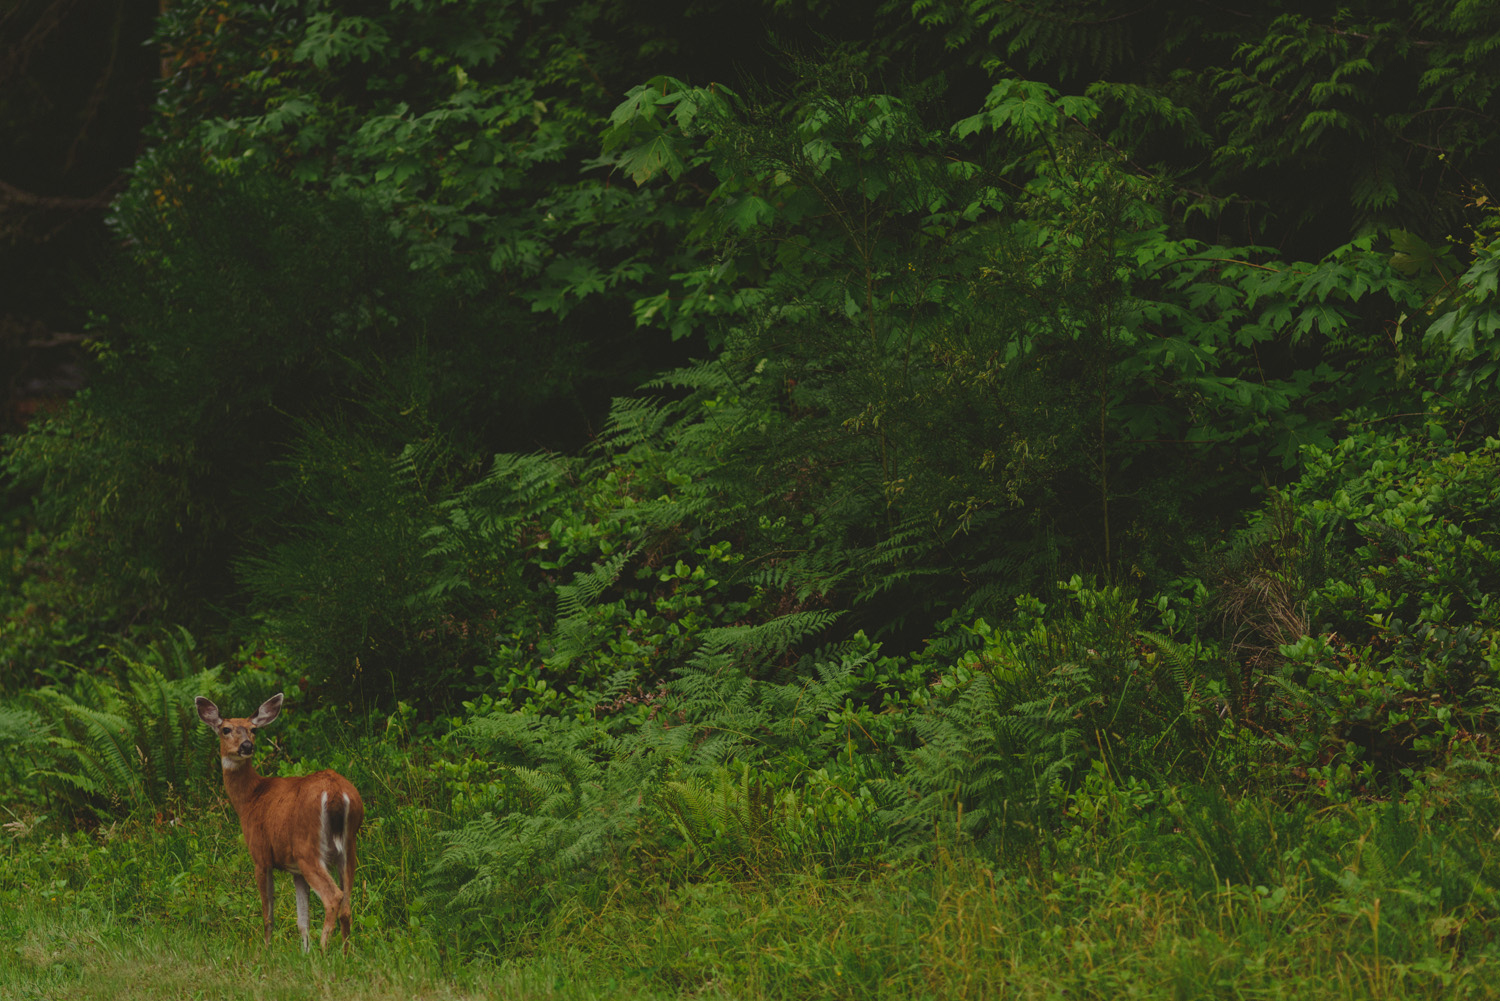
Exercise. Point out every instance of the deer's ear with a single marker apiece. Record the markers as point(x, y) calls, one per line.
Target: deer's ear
point(208, 712)
point(268, 711)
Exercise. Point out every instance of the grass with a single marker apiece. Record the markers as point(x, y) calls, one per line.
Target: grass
point(148, 910)
point(1163, 893)
point(60, 956)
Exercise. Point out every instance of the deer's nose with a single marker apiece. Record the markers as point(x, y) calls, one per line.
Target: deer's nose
point(246, 748)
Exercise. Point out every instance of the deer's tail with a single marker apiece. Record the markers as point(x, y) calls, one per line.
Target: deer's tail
point(335, 831)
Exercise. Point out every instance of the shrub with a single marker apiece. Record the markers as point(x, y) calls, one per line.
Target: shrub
point(1394, 663)
point(1019, 721)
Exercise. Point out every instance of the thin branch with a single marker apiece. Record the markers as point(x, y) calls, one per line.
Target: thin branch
point(14, 195)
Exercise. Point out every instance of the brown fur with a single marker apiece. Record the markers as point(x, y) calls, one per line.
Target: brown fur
point(282, 820)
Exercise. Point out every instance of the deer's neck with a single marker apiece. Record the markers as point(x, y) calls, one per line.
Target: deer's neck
point(240, 780)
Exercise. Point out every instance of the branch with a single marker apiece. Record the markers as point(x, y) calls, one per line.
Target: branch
point(14, 195)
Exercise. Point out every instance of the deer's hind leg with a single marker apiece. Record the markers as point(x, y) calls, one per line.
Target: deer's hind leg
point(333, 898)
point(346, 881)
point(304, 909)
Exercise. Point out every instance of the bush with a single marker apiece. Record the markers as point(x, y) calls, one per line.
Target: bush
point(1019, 721)
point(1395, 661)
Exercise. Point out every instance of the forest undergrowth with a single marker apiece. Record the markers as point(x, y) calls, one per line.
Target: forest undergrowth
point(1095, 920)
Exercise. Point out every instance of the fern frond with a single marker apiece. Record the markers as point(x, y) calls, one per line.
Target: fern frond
point(21, 728)
point(634, 420)
point(100, 747)
point(763, 640)
point(574, 599)
point(1179, 658)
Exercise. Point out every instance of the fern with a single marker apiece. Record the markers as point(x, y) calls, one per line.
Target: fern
point(1029, 707)
point(728, 821)
point(23, 741)
point(95, 748)
point(579, 792)
point(635, 420)
point(20, 727)
point(574, 600)
point(1179, 659)
point(969, 766)
point(128, 741)
point(898, 560)
point(754, 644)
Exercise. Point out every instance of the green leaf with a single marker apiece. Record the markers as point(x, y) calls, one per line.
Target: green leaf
point(747, 212)
point(658, 155)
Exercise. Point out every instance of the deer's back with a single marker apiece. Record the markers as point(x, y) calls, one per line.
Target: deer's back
point(285, 816)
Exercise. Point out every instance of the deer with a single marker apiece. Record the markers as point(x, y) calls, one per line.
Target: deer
point(299, 825)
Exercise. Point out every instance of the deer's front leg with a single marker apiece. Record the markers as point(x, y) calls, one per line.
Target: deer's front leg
point(265, 880)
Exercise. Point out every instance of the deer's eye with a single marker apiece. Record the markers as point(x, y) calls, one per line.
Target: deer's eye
point(254, 728)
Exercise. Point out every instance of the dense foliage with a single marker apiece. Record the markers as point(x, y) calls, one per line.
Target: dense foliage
point(1007, 453)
